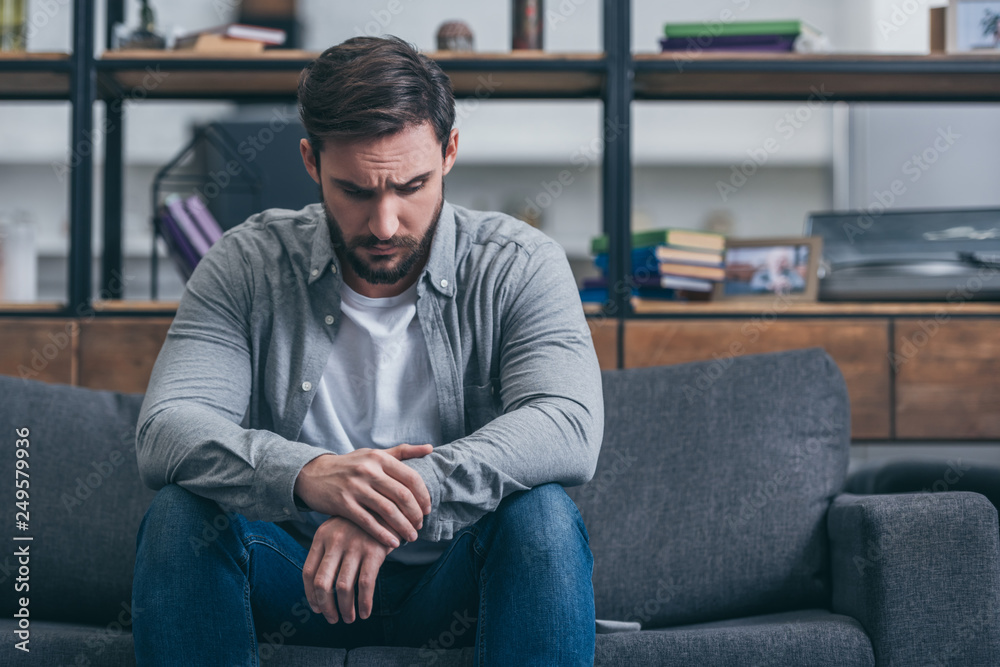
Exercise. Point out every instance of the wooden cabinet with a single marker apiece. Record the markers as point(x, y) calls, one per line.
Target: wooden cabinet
point(39, 349)
point(119, 353)
point(947, 378)
point(604, 332)
point(859, 346)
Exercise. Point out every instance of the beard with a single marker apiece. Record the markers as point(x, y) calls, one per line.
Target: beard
point(382, 270)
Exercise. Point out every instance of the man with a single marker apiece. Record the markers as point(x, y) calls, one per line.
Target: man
point(364, 413)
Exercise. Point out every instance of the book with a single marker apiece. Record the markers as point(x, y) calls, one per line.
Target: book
point(240, 31)
point(735, 28)
point(681, 238)
point(682, 256)
point(179, 249)
point(204, 219)
point(770, 43)
point(687, 284)
point(691, 271)
point(182, 219)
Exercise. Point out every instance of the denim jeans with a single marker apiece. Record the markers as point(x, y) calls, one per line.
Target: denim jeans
point(212, 588)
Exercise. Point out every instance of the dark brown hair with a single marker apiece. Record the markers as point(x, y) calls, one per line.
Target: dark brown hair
point(368, 87)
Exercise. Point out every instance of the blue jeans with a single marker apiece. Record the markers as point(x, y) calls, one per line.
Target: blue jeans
point(212, 588)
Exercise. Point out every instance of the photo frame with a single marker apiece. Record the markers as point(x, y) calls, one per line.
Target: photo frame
point(973, 26)
point(763, 269)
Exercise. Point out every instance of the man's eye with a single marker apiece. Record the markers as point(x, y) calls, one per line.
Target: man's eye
point(409, 191)
point(358, 194)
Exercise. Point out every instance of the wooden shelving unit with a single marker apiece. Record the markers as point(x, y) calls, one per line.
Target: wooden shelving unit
point(34, 76)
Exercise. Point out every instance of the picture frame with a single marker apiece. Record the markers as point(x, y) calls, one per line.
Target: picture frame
point(751, 266)
point(973, 26)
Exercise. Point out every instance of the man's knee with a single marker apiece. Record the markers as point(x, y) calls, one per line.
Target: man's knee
point(543, 517)
point(176, 514)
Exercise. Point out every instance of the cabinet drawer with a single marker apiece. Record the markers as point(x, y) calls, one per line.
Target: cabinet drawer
point(118, 354)
point(43, 350)
point(604, 332)
point(860, 347)
point(947, 378)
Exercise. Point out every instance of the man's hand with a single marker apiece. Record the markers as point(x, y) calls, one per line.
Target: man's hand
point(343, 550)
point(369, 482)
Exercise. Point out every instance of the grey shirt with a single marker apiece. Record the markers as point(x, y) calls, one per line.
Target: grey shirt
point(517, 378)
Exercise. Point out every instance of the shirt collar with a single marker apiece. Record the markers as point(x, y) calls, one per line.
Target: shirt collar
point(440, 267)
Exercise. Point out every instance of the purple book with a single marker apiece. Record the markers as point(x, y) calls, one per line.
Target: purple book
point(204, 219)
point(184, 254)
point(184, 222)
point(780, 43)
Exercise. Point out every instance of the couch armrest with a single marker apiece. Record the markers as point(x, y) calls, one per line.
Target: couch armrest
point(921, 572)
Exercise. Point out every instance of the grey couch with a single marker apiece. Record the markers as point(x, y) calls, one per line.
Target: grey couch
point(715, 516)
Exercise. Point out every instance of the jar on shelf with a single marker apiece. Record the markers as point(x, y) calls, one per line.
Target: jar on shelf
point(528, 26)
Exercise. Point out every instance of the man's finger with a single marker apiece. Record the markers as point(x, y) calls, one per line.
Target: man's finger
point(412, 480)
point(366, 585)
point(363, 518)
point(390, 513)
point(402, 498)
point(309, 569)
point(325, 578)
point(344, 587)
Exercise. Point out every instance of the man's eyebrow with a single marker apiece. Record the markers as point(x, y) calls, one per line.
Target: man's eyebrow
point(348, 185)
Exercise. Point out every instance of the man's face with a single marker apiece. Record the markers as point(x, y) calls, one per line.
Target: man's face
point(382, 199)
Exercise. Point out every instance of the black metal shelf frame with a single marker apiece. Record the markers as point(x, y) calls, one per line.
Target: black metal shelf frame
point(620, 73)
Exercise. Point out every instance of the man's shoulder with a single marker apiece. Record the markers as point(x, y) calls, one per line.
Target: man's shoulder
point(287, 224)
point(483, 228)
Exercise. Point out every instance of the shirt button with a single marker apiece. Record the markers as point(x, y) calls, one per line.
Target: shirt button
point(329, 319)
point(307, 385)
point(287, 511)
point(444, 283)
point(315, 272)
point(333, 269)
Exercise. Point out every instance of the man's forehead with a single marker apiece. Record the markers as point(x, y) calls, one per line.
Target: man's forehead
point(398, 157)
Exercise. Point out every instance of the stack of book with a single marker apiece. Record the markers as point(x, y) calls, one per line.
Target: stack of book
point(189, 230)
point(666, 264)
point(232, 38)
point(735, 36)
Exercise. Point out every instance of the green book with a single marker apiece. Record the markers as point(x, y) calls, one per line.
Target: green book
point(735, 29)
point(680, 238)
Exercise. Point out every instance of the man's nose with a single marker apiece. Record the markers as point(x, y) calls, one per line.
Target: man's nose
point(384, 220)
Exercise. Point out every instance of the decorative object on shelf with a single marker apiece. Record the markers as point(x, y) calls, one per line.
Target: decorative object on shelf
point(19, 259)
point(455, 36)
point(938, 29)
point(973, 25)
point(183, 192)
point(146, 36)
point(909, 255)
point(236, 38)
point(774, 270)
point(13, 25)
point(528, 26)
point(776, 36)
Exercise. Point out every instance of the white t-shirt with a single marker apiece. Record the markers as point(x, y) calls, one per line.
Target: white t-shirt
point(377, 391)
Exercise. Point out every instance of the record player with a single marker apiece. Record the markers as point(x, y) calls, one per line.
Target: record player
point(909, 255)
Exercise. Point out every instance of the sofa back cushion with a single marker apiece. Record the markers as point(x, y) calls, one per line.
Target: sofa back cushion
point(85, 500)
point(712, 487)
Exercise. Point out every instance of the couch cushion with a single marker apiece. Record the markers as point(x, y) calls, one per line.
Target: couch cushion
point(85, 498)
point(712, 488)
point(812, 637)
point(111, 646)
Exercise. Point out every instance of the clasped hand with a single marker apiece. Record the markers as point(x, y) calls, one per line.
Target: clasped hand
point(374, 501)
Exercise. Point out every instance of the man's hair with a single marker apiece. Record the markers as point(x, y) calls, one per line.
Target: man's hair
point(369, 87)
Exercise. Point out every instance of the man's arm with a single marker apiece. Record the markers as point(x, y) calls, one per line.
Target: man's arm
point(189, 430)
point(552, 402)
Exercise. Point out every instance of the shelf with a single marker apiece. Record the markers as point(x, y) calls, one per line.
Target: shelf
point(823, 77)
point(126, 307)
point(34, 76)
point(152, 74)
point(768, 308)
point(33, 308)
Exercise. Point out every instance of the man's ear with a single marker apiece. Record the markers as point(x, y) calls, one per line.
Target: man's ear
point(309, 159)
point(450, 151)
